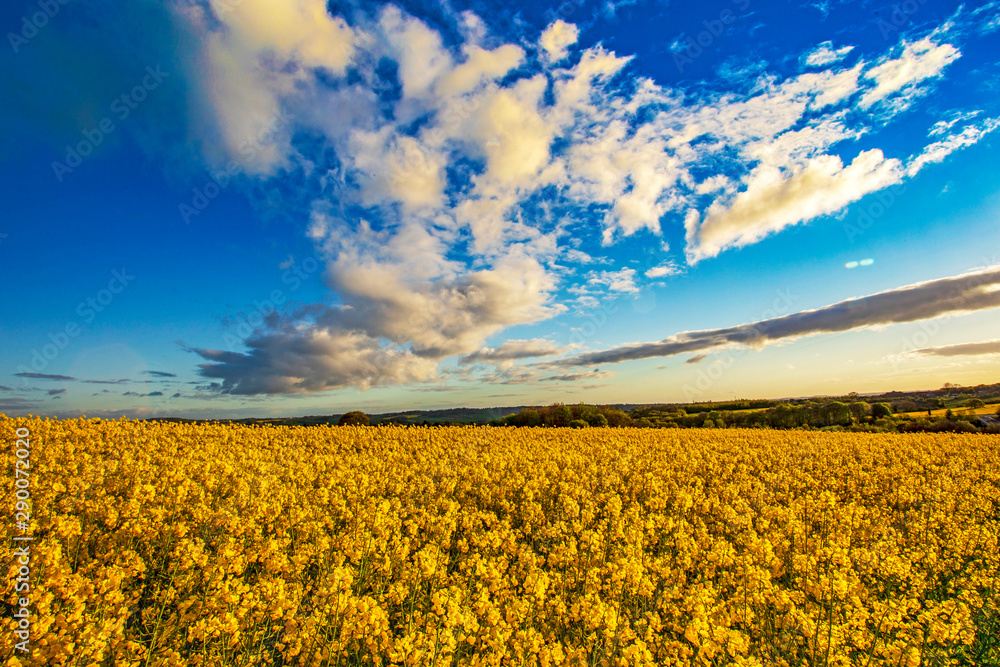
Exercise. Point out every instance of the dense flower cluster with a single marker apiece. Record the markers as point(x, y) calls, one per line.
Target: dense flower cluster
point(182, 544)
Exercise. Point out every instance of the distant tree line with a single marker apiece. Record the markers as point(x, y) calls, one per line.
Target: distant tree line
point(886, 413)
point(856, 416)
point(576, 416)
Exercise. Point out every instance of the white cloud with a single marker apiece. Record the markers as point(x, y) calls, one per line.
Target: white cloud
point(578, 256)
point(644, 203)
point(242, 100)
point(713, 184)
point(397, 168)
point(774, 200)
point(633, 175)
point(664, 270)
point(252, 60)
point(443, 315)
point(833, 87)
point(944, 126)
point(574, 87)
point(824, 55)
point(513, 134)
point(920, 60)
point(557, 38)
point(300, 31)
point(732, 122)
point(637, 173)
point(419, 51)
point(479, 67)
point(622, 280)
point(939, 150)
point(797, 147)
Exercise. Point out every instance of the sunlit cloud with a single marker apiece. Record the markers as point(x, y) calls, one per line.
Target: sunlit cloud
point(774, 200)
point(825, 54)
point(919, 61)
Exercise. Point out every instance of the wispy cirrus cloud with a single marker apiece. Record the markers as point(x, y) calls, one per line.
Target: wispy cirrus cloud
point(513, 349)
point(938, 151)
point(622, 280)
point(900, 77)
point(595, 374)
point(825, 54)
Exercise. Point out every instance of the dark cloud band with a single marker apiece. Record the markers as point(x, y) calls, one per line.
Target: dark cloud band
point(970, 292)
point(962, 349)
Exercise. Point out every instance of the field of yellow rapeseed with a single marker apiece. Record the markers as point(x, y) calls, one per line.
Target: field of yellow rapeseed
point(180, 544)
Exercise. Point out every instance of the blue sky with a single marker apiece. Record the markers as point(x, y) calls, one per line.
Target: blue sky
point(246, 208)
